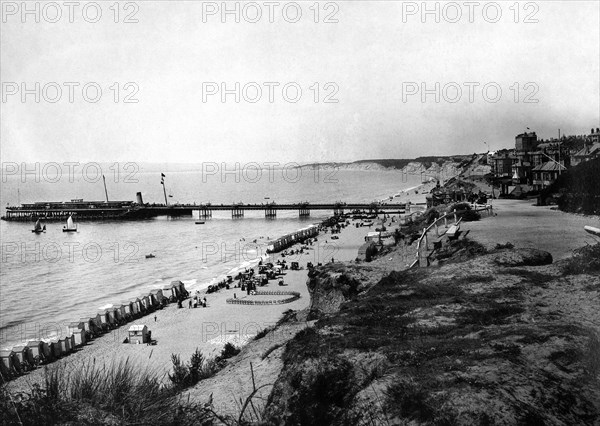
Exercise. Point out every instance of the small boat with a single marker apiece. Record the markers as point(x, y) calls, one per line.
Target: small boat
point(199, 222)
point(38, 228)
point(70, 227)
point(267, 198)
point(150, 256)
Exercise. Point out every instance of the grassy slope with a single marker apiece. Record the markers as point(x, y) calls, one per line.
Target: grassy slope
point(477, 342)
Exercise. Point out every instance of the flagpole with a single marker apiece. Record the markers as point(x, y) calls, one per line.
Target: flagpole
point(162, 181)
point(105, 191)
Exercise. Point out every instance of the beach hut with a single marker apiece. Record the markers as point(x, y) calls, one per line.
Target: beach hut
point(145, 302)
point(4, 370)
point(139, 333)
point(113, 318)
point(153, 301)
point(74, 326)
point(9, 361)
point(37, 350)
point(71, 338)
point(65, 345)
point(87, 323)
point(97, 322)
point(55, 349)
point(104, 318)
point(136, 305)
point(121, 313)
point(78, 337)
point(169, 292)
point(127, 310)
point(176, 286)
point(24, 355)
point(182, 290)
point(47, 351)
point(158, 295)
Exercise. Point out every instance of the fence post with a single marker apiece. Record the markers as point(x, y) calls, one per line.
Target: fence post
point(455, 216)
point(437, 234)
point(445, 221)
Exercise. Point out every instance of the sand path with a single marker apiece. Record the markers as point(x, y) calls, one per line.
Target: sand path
point(526, 225)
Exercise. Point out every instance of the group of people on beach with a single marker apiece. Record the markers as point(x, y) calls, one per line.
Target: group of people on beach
point(196, 301)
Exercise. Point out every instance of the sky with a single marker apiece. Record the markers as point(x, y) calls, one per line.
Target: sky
point(368, 74)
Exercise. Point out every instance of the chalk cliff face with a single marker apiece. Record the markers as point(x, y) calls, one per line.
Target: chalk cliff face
point(444, 167)
point(367, 166)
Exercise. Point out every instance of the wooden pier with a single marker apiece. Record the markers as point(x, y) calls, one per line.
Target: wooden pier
point(128, 210)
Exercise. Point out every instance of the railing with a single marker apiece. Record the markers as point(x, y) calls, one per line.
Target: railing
point(454, 213)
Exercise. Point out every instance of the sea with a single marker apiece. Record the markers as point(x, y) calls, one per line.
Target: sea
point(51, 279)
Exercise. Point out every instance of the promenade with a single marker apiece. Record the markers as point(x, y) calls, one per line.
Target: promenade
point(526, 225)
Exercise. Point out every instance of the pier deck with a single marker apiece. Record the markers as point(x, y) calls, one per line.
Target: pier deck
point(134, 211)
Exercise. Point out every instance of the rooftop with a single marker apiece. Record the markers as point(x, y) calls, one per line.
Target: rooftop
point(549, 166)
point(588, 149)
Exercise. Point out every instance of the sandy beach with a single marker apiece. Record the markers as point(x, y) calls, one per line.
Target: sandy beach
point(181, 331)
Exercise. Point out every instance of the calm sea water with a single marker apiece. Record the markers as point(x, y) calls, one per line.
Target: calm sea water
point(50, 279)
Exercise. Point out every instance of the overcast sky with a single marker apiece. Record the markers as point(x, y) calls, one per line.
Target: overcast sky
point(370, 58)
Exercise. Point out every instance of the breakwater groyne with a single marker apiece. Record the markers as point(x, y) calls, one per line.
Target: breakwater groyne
point(29, 355)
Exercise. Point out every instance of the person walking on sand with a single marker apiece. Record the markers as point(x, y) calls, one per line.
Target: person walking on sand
point(190, 304)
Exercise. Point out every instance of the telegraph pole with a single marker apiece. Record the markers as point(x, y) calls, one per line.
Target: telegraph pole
point(559, 166)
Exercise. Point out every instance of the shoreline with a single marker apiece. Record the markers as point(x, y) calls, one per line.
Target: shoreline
point(182, 330)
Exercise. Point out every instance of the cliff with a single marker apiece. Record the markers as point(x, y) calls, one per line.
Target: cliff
point(503, 338)
point(444, 168)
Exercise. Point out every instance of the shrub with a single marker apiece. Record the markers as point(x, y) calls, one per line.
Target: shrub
point(197, 369)
point(411, 399)
point(180, 371)
point(465, 212)
point(229, 351)
point(470, 216)
point(585, 259)
point(262, 333)
point(117, 393)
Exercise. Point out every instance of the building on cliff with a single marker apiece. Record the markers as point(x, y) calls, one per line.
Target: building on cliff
point(536, 164)
point(501, 163)
point(590, 150)
point(525, 145)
